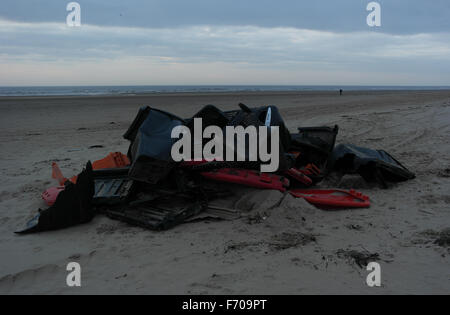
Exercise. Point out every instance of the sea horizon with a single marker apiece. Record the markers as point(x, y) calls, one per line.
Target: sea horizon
point(158, 89)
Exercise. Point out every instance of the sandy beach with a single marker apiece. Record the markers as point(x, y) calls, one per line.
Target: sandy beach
point(280, 246)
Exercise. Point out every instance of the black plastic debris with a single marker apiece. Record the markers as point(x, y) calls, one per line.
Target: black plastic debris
point(151, 145)
point(156, 193)
point(261, 117)
point(315, 144)
point(267, 116)
point(211, 116)
point(373, 165)
point(162, 211)
point(73, 206)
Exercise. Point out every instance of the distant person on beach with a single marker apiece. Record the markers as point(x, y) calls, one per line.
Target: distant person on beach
point(341, 91)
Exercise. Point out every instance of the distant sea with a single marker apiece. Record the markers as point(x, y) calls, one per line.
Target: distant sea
point(154, 89)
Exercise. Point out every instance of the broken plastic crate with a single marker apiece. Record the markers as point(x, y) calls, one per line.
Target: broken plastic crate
point(112, 186)
point(151, 145)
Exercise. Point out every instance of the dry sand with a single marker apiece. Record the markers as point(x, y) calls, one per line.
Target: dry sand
point(283, 246)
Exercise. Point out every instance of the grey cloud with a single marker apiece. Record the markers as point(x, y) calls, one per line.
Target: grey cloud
point(398, 16)
point(260, 52)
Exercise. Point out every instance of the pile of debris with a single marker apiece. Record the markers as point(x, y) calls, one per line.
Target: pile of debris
point(148, 188)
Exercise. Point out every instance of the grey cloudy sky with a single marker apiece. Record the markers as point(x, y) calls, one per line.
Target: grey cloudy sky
point(224, 42)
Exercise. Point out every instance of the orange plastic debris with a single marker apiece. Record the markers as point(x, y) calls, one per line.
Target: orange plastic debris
point(113, 160)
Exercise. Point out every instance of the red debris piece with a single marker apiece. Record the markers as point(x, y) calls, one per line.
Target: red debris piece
point(333, 198)
point(299, 176)
point(249, 178)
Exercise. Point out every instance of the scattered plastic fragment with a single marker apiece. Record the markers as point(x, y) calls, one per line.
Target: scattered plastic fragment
point(333, 198)
point(299, 176)
point(249, 178)
point(113, 160)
